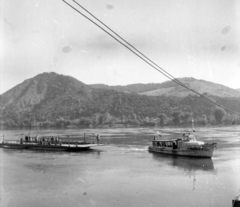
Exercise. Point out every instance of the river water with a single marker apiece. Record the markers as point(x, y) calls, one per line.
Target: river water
point(122, 173)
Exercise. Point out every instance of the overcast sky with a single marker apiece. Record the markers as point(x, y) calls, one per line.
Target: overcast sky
point(188, 38)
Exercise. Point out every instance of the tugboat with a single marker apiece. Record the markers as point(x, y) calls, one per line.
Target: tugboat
point(53, 142)
point(186, 146)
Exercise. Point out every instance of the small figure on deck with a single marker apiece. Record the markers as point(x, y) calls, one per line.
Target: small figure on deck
point(36, 139)
point(52, 140)
point(191, 137)
point(174, 145)
point(98, 139)
point(185, 136)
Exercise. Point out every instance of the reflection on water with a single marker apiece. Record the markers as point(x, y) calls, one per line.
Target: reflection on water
point(186, 163)
point(190, 166)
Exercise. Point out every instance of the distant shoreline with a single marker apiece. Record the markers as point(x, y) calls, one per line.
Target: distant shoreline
point(116, 126)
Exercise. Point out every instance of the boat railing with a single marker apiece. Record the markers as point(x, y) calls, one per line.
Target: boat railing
point(86, 138)
point(72, 140)
point(11, 141)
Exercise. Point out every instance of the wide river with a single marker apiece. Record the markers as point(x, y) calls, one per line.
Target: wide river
point(122, 173)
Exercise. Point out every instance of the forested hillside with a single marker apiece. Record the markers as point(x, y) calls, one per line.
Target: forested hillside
point(50, 99)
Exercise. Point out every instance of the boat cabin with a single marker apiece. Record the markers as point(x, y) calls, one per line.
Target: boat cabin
point(188, 141)
point(185, 146)
point(165, 143)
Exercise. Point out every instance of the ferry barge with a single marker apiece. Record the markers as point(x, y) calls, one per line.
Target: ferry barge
point(187, 146)
point(53, 142)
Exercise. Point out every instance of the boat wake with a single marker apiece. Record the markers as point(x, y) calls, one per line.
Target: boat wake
point(133, 148)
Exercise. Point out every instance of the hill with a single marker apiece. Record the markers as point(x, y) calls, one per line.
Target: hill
point(53, 99)
point(170, 88)
point(42, 88)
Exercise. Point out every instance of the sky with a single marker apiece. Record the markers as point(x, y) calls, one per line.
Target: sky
point(187, 38)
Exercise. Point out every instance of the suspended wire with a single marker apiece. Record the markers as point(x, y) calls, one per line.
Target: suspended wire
point(164, 71)
point(167, 75)
point(126, 41)
point(152, 64)
point(115, 38)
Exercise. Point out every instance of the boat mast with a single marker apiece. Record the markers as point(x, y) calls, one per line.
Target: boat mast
point(193, 125)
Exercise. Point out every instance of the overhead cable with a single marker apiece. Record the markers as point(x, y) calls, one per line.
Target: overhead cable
point(141, 56)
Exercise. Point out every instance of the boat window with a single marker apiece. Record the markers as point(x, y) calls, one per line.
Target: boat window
point(160, 144)
point(169, 144)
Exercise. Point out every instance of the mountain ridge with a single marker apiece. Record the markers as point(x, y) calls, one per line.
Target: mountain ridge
point(50, 97)
point(167, 88)
point(170, 88)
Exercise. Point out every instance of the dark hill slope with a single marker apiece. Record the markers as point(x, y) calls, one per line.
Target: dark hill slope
point(117, 104)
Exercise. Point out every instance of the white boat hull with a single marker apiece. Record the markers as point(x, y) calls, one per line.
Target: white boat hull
point(206, 151)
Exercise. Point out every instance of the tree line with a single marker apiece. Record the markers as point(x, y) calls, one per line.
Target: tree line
point(177, 118)
point(108, 107)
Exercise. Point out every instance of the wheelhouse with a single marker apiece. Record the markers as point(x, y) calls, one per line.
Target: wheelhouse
point(163, 143)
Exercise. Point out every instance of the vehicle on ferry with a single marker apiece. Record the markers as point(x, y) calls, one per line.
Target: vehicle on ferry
point(186, 146)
